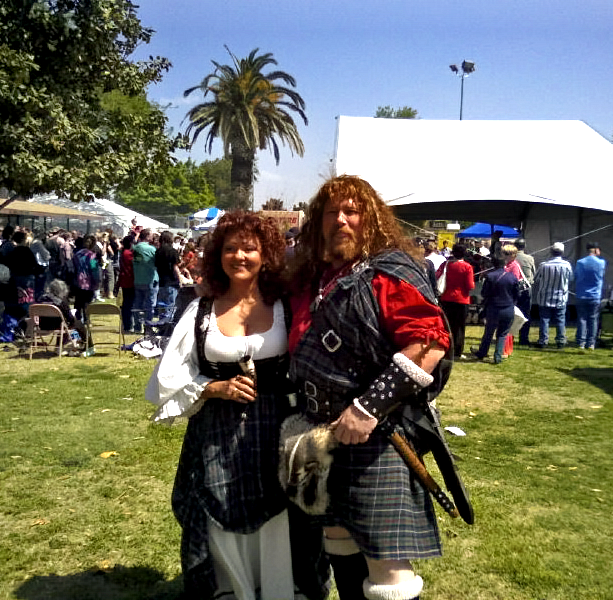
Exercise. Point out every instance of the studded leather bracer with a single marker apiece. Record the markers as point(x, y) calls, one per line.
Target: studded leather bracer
point(400, 380)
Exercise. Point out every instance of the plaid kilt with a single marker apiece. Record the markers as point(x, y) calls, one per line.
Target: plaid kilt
point(375, 496)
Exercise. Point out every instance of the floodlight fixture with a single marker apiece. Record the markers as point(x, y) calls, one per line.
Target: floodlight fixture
point(467, 67)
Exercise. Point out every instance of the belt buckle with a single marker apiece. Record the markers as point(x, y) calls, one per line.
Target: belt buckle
point(310, 389)
point(312, 405)
point(332, 344)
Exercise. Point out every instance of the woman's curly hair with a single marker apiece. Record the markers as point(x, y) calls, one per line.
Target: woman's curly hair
point(380, 230)
point(248, 225)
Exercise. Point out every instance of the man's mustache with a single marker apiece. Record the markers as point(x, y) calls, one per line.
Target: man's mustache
point(345, 231)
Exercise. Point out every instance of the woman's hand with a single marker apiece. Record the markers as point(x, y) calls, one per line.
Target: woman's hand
point(239, 389)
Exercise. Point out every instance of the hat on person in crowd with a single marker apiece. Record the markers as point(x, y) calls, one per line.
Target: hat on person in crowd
point(593, 246)
point(520, 243)
point(558, 248)
point(291, 233)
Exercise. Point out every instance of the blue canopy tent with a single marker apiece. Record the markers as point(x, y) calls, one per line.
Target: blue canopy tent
point(485, 230)
point(206, 219)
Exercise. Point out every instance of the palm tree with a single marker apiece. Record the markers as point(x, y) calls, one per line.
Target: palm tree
point(249, 112)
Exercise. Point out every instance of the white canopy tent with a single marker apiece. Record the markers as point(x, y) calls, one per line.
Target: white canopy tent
point(550, 178)
point(115, 216)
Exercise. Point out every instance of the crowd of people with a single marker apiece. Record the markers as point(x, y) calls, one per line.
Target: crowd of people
point(508, 284)
point(307, 368)
point(145, 268)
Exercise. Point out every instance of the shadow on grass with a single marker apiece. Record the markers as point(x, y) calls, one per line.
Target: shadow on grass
point(601, 377)
point(39, 354)
point(117, 583)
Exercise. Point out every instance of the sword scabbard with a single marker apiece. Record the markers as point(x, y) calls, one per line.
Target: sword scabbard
point(416, 465)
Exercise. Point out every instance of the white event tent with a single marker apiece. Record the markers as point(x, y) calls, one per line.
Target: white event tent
point(115, 216)
point(552, 179)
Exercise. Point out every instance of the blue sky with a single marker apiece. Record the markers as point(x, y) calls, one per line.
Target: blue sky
point(535, 59)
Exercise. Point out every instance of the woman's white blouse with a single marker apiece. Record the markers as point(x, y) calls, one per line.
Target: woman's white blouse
point(176, 382)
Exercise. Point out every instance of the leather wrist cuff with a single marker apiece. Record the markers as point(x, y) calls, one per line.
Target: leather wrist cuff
point(400, 379)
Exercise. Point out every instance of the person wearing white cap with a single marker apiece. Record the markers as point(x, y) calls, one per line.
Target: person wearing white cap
point(551, 284)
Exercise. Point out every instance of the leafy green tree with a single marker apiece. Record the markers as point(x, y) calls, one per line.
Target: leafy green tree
point(217, 173)
point(403, 112)
point(74, 118)
point(183, 188)
point(250, 111)
point(273, 204)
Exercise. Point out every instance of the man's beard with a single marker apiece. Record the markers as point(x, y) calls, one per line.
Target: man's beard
point(343, 249)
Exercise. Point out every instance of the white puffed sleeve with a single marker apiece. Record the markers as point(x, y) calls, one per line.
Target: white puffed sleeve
point(176, 382)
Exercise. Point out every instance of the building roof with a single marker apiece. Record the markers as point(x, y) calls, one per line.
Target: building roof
point(33, 209)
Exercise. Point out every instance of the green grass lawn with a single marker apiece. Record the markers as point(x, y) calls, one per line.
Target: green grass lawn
point(79, 523)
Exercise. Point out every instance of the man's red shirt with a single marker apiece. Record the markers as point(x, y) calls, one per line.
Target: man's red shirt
point(405, 315)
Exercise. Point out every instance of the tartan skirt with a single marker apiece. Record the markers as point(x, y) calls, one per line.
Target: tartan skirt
point(375, 496)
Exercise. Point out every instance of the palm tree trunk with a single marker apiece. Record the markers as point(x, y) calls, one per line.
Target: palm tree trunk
point(241, 176)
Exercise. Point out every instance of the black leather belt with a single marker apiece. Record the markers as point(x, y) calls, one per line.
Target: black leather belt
point(321, 408)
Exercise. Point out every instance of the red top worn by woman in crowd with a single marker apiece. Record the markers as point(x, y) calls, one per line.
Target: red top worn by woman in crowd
point(456, 297)
point(126, 282)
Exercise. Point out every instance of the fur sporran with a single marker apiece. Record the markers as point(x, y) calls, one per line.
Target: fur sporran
point(305, 463)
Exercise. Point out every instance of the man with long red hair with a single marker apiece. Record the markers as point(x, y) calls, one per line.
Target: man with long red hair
point(368, 341)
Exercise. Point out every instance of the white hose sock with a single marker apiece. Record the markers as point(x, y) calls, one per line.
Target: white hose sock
point(405, 590)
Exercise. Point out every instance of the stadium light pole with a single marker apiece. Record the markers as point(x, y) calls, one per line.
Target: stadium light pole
point(464, 70)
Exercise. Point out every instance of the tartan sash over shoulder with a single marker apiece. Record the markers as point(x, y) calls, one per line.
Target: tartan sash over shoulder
point(345, 349)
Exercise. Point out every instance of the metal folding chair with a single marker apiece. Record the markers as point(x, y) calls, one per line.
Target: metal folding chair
point(34, 333)
point(98, 321)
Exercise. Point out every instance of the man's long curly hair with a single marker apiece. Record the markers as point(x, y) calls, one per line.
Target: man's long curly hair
point(215, 282)
point(380, 230)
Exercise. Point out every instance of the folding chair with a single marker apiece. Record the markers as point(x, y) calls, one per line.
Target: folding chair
point(34, 333)
point(98, 314)
point(606, 320)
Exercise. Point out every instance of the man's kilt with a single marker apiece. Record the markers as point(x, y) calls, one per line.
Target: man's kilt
point(381, 503)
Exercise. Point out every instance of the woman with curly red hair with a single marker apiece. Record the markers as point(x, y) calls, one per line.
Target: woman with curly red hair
point(225, 368)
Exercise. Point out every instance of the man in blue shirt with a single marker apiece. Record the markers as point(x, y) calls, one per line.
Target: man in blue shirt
point(589, 278)
point(551, 283)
